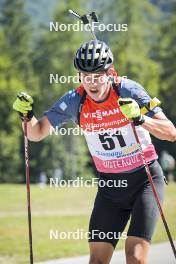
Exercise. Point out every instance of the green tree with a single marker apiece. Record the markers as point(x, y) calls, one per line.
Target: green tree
point(10, 129)
point(133, 49)
point(166, 57)
point(16, 26)
point(54, 54)
point(17, 75)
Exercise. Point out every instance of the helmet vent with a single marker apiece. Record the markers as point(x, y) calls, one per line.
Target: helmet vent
point(93, 56)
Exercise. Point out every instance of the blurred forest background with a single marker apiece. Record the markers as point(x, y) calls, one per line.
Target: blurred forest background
point(29, 52)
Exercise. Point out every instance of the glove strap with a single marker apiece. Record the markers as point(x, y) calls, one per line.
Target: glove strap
point(28, 117)
point(138, 120)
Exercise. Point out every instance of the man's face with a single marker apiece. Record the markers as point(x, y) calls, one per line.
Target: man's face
point(95, 84)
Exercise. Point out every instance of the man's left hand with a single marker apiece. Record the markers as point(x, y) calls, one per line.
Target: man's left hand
point(131, 110)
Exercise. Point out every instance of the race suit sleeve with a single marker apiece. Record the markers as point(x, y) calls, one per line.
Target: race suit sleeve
point(137, 92)
point(65, 109)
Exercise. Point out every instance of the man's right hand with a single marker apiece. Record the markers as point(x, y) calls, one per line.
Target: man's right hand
point(24, 105)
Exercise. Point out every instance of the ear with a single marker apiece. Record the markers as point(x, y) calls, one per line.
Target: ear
point(112, 73)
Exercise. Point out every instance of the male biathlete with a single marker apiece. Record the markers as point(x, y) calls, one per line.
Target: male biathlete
point(107, 109)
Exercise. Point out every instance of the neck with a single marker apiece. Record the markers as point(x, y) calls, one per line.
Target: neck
point(106, 94)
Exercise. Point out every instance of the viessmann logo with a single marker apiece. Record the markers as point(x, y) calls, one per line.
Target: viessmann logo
point(100, 114)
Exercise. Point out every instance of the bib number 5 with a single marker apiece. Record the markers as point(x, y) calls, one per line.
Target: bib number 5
point(108, 141)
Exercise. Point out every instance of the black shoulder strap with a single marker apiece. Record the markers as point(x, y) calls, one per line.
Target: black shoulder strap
point(83, 98)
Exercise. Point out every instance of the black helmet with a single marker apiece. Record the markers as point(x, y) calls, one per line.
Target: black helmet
point(93, 56)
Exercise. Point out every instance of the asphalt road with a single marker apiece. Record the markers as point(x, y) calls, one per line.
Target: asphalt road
point(159, 254)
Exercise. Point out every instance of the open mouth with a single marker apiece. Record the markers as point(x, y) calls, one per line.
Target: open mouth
point(94, 91)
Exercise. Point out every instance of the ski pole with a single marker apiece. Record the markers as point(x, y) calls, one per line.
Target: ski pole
point(154, 192)
point(28, 188)
point(87, 20)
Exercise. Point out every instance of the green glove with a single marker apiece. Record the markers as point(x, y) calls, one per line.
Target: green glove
point(131, 110)
point(24, 106)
